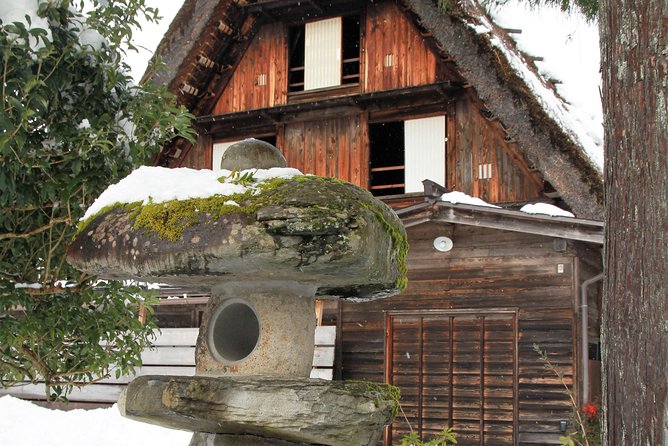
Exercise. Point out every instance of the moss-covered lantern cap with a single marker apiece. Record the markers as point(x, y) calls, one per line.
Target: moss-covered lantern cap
point(309, 229)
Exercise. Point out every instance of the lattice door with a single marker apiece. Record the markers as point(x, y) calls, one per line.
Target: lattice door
point(455, 369)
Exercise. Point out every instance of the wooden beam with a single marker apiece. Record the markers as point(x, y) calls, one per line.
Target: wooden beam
point(564, 227)
point(409, 98)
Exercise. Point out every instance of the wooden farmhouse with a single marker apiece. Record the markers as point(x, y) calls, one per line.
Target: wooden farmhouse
point(386, 94)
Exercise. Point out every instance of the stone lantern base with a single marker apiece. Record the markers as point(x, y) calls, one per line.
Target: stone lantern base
point(232, 410)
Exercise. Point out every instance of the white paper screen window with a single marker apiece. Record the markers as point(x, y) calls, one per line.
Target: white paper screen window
point(218, 149)
point(424, 145)
point(322, 54)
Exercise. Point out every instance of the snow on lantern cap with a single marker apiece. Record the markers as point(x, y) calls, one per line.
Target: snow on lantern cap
point(303, 228)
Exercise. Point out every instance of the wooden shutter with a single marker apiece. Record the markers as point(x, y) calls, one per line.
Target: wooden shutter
point(424, 142)
point(455, 369)
point(322, 54)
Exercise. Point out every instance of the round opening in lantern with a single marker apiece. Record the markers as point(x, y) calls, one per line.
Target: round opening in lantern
point(234, 331)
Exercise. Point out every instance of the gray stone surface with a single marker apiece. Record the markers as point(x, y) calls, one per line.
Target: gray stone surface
point(286, 313)
point(308, 229)
point(252, 154)
point(296, 410)
point(205, 439)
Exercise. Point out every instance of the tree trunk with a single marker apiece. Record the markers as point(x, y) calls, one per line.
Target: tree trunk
point(634, 57)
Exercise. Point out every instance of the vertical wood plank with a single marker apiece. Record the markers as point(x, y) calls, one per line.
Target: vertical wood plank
point(280, 141)
point(336, 134)
point(363, 55)
point(362, 141)
point(267, 55)
point(205, 147)
point(309, 148)
point(484, 160)
point(343, 158)
point(451, 149)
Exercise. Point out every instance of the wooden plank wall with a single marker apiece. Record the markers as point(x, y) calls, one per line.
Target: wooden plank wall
point(267, 55)
point(197, 156)
point(389, 32)
point(478, 141)
point(457, 366)
point(487, 269)
point(173, 353)
point(334, 147)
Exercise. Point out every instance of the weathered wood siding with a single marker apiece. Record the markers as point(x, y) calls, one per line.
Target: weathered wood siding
point(388, 32)
point(478, 147)
point(334, 147)
point(511, 281)
point(197, 156)
point(260, 79)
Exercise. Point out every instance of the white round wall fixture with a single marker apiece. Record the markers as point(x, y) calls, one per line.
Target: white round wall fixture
point(443, 243)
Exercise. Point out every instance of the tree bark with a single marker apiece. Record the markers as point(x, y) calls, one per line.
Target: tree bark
point(634, 58)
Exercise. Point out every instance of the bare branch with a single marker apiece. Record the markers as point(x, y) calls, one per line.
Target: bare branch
point(52, 223)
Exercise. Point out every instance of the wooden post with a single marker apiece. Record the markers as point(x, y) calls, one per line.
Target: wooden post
point(142, 314)
point(319, 307)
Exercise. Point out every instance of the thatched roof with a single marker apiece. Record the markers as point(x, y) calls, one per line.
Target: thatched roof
point(548, 144)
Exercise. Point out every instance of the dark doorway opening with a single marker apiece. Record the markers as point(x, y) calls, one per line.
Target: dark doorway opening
point(386, 166)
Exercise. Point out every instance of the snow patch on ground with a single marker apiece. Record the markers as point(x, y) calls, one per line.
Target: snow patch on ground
point(25, 424)
point(160, 184)
point(31, 286)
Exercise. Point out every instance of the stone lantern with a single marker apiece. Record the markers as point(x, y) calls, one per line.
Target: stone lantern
point(265, 263)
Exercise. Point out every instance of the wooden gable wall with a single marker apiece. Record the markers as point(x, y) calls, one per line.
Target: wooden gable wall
point(388, 32)
point(335, 142)
point(266, 56)
point(478, 146)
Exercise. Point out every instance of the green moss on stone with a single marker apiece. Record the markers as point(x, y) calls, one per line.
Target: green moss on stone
point(379, 392)
point(169, 219)
point(129, 207)
point(399, 244)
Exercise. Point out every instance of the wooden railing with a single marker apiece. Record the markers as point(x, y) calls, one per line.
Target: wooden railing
point(377, 185)
point(173, 353)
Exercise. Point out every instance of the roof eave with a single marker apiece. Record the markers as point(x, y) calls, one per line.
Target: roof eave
point(583, 230)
